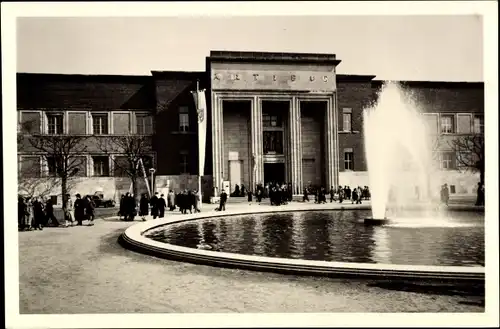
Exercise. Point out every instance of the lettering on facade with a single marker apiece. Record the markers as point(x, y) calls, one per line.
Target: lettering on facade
point(258, 76)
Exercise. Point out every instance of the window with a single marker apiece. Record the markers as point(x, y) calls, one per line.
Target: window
point(101, 166)
point(272, 121)
point(463, 123)
point(348, 160)
point(447, 124)
point(184, 162)
point(431, 123)
point(144, 123)
point(183, 118)
point(273, 142)
point(347, 120)
point(100, 124)
point(447, 160)
point(479, 124)
point(55, 124)
point(452, 189)
point(53, 165)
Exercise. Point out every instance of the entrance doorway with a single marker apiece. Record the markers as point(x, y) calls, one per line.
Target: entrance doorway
point(274, 173)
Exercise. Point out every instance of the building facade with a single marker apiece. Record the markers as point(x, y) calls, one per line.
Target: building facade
point(282, 117)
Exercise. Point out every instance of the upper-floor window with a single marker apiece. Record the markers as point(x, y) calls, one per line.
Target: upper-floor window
point(100, 124)
point(101, 165)
point(144, 123)
point(479, 124)
point(348, 160)
point(183, 118)
point(447, 124)
point(347, 120)
point(447, 160)
point(273, 142)
point(55, 123)
point(272, 121)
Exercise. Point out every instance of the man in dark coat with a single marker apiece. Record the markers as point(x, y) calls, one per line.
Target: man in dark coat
point(144, 206)
point(154, 205)
point(79, 210)
point(223, 199)
point(90, 210)
point(49, 212)
point(161, 206)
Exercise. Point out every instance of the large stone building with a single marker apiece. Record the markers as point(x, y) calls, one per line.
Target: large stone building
point(271, 117)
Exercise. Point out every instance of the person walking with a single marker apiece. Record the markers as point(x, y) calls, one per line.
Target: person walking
point(250, 196)
point(143, 207)
point(68, 215)
point(79, 210)
point(38, 214)
point(171, 200)
point(161, 206)
point(197, 201)
point(90, 210)
point(480, 194)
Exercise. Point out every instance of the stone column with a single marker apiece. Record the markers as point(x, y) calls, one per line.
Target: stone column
point(257, 148)
point(331, 140)
point(296, 147)
point(217, 141)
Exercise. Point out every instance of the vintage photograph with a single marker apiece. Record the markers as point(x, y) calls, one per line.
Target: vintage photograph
point(250, 164)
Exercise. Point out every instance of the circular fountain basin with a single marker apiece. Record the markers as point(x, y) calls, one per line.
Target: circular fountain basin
point(332, 243)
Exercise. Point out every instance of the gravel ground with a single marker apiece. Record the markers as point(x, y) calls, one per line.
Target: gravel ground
point(84, 270)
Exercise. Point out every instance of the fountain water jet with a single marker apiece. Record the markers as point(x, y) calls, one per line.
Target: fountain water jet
point(398, 154)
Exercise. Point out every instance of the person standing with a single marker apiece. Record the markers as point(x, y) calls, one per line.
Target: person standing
point(22, 214)
point(171, 200)
point(38, 214)
point(480, 194)
point(222, 202)
point(445, 194)
point(79, 210)
point(250, 195)
point(90, 210)
point(154, 205)
point(161, 206)
point(143, 207)
point(49, 212)
point(68, 215)
point(197, 201)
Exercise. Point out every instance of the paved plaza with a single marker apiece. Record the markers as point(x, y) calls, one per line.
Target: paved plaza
point(84, 270)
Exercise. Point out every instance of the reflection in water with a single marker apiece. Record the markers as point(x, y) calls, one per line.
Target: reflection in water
point(336, 236)
point(381, 252)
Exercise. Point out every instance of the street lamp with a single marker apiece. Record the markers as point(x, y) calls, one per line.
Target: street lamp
point(152, 171)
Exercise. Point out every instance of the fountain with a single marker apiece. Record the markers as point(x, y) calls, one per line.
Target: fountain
point(398, 155)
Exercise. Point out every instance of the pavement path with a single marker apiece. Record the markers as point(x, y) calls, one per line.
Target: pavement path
point(84, 270)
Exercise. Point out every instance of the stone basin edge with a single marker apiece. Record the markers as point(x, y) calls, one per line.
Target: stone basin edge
point(133, 238)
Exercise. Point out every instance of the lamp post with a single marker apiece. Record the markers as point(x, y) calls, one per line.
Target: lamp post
point(152, 171)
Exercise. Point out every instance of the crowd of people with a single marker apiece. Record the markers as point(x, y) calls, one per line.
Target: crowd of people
point(155, 206)
point(36, 213)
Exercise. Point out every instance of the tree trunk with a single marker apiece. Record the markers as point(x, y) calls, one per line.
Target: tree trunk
point(64, 191)
point(135, 188)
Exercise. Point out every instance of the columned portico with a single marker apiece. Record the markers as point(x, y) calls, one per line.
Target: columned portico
point(265, 137)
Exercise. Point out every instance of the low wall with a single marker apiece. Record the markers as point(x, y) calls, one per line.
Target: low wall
point(465, 183)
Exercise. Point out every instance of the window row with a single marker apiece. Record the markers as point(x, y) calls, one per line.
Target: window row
point(460, 123)
point(85, 122)
point(447, 160)
point(80, 166)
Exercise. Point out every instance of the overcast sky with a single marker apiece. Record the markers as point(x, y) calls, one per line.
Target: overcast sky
point(436, 48)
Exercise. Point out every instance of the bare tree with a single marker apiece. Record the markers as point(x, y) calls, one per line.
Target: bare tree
point(469, 152)
point(126, 151)
point(63, 154)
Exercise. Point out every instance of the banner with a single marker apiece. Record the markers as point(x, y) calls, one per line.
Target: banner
point(201, 108)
